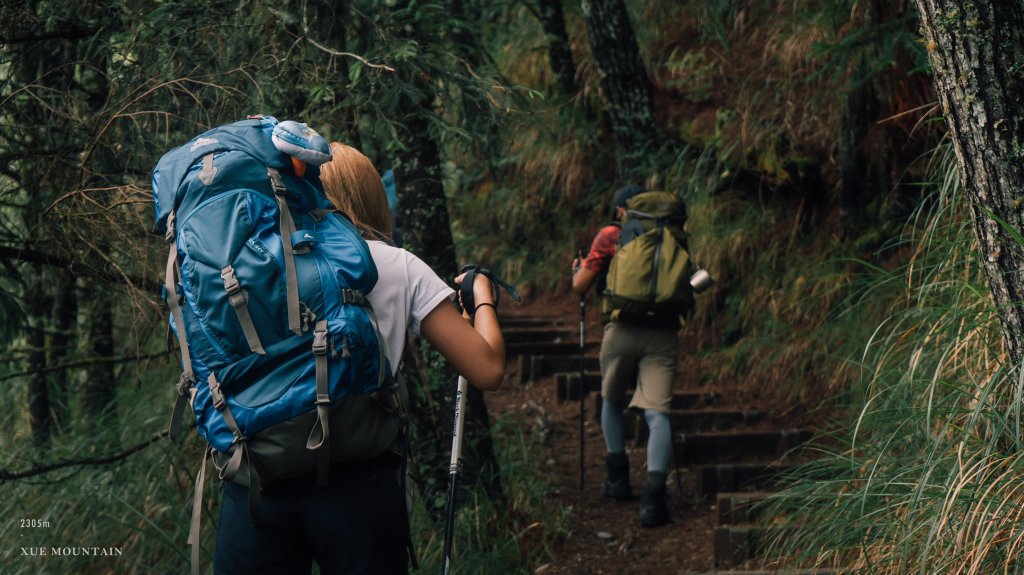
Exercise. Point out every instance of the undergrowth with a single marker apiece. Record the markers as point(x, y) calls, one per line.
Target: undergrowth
point(133, 513)
point(926, 476)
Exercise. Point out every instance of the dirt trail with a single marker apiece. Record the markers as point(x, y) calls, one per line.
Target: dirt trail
point(606, 536)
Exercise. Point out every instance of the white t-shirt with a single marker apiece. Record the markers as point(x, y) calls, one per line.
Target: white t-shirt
point(407, 291)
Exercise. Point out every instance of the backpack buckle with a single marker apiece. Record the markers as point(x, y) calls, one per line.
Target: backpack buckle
point(320, 342)
point(169, 234)
point(186, 381)
point(276, 182)
point(231, 284)
point(217, 396)
point(354, 297)
point(323, 399)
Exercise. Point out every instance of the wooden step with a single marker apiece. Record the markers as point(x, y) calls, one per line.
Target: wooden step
point(536, 321)
point(692, 420)
point(545, 347)
point(736, 545)
point(698, 448)
point(774, 572)
point(529, 334)
point(567, 385)
point(731, 477)
point(680, 400)
point(739, 508)
point(535, 367)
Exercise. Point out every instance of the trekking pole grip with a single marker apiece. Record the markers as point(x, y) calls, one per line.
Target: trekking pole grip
point(497, 284)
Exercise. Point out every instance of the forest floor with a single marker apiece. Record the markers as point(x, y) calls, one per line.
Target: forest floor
point(605, 536)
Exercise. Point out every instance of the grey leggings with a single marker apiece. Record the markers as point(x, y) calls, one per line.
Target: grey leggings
point(659, 441)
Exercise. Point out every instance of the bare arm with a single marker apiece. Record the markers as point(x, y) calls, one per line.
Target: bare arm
point(582, 279)
point(476, 351)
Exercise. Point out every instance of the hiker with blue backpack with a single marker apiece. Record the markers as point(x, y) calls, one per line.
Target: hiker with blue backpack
point(640, 266)
point(291, 327)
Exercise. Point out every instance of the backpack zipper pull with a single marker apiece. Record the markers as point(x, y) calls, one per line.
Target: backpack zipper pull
point(308, 318)
point(345, 354)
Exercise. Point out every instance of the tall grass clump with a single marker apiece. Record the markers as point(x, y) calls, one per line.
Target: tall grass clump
point(511, 536)
point(926, 474)
point(127, 499)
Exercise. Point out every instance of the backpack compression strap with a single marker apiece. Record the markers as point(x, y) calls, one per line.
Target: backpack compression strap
point(187, 380)
point(239, 300)
point(320, 435)
point(287, 229)
point(466, 289)
point(240, 450)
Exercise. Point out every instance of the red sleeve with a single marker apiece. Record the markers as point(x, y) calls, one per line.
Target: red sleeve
point(602, 249)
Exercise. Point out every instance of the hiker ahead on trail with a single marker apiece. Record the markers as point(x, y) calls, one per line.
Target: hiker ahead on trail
point(641, 266)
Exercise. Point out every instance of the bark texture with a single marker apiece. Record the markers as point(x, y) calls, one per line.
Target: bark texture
point(975, 51)
point(624, 79)
point(563, 69)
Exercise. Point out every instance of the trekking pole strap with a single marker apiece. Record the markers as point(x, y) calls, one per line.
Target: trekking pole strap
point(466, 289)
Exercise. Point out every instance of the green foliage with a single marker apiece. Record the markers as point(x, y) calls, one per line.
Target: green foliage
point(491, 537)
point(141, 505)
point(925, 475)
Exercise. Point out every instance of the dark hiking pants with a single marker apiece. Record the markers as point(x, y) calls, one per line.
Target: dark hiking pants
point(355, 525)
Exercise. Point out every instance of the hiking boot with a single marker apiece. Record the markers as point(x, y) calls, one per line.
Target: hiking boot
point(617, 484)
point(653, 511)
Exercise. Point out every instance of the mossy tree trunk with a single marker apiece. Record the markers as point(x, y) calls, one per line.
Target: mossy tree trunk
point(624, 79)
point(975, 51)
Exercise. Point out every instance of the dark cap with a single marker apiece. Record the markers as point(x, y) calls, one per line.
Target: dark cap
point(626, 193)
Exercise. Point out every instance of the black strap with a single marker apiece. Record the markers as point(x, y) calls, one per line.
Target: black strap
point(466, 289)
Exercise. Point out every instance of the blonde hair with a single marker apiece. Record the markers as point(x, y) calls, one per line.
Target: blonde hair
point(353, 185)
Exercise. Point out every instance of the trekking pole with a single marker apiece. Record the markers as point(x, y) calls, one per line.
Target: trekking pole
point(583, 313)
point(455, 466)
point(454, 469)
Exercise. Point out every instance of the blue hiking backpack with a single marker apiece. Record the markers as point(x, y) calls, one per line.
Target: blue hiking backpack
point(266, 284)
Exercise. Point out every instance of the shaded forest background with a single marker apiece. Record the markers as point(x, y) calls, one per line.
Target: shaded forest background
point(805, 137)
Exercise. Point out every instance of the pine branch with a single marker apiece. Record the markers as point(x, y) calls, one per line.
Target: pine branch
point(85, 363)
point(26, 255)
point(7, 475)
point(68, 33)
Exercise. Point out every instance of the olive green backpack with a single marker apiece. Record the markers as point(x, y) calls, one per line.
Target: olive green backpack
point(648, 279)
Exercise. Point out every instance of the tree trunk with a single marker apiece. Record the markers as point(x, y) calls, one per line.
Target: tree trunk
point(426, 231)
point(39, 409)
point(103, 170)
point(624, 79)
point(563, 69)
point(854, 168)
point(100, 386)
point(975, 51)
point(65, 323)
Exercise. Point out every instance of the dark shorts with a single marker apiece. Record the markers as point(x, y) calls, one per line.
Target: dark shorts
point(356, 524)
